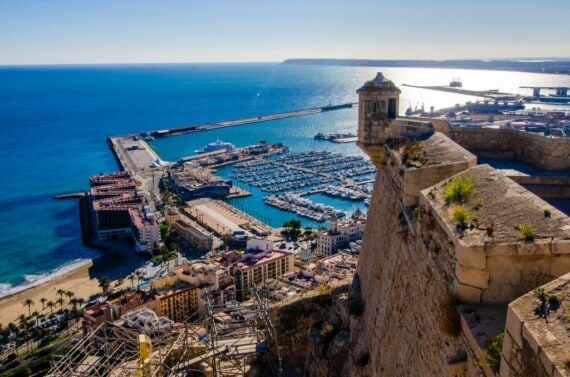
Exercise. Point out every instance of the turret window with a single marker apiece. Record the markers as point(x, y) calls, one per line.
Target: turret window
point(392, 108)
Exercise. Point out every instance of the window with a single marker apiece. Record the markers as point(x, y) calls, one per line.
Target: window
point(392, 108)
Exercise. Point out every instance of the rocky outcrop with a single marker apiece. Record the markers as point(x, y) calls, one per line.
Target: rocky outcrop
point(317, 332)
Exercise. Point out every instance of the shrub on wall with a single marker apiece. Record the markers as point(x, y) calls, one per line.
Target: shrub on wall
point(527, 231)
point(460, 215)
point(458, 190)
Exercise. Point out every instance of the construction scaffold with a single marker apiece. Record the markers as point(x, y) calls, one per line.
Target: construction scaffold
point(227, 341)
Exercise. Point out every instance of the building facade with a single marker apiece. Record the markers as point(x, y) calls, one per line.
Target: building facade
point(340, 235)
point(179, 304)
point(256, 268)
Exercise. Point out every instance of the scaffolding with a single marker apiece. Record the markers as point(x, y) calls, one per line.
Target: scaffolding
point(237, 336)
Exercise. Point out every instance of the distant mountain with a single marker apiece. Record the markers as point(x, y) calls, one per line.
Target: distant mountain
point(550, 65)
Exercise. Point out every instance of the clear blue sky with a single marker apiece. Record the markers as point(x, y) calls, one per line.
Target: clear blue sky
point(114, 31)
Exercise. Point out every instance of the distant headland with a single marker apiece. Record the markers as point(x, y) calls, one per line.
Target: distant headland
point(559, 66)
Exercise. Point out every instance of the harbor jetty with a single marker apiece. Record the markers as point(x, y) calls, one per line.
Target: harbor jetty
point(490, 93)
point(70, 195)
point(152, 134)
point(134, 154)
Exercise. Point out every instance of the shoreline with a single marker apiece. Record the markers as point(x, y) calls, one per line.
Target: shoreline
point(44, 278)
point(76, 280)
point(81, 277)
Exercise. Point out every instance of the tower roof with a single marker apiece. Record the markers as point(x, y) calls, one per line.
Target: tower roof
point(379, 83)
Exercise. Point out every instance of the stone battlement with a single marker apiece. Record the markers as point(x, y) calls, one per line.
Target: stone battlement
point(419, 253)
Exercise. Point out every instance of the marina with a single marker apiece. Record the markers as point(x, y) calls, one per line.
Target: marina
point(291, 176)
point(303, 207)
point(302, 170)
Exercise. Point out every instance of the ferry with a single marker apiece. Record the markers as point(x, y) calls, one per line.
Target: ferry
point(217, 145)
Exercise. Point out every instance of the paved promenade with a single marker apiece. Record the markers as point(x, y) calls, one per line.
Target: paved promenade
point(134, 154)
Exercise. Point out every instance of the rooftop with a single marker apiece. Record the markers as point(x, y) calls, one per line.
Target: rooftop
point(380, 83)
point(252, 259)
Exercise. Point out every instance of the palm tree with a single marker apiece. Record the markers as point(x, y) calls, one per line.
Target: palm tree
point(12, 327)
point(104, 283)
point(60, 302)
point(73, 302)
point(60, 292)
point(43, 300)
point(29, 302)
point(131, 277)
point(69, 295)
point(50, 305)
point(24, 326)
point(23, 320)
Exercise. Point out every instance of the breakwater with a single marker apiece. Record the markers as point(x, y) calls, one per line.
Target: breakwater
point(241, 121)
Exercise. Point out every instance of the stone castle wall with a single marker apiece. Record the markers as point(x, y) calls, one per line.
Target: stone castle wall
point(540, 151)
point(545, 186)
point(536, 346)
point(412, 264)
point(409, 320)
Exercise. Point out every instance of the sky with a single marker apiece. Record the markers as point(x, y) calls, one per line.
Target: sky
point(140, 31)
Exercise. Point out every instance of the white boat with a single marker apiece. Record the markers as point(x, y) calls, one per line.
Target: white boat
point(217, 145)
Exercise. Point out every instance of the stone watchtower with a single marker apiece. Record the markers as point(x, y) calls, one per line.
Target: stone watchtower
point(378, 102)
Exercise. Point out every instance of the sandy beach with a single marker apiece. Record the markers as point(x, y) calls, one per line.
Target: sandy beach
point(77, 281)
point(116, 263)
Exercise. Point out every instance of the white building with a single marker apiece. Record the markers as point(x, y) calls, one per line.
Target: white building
point(340, 235)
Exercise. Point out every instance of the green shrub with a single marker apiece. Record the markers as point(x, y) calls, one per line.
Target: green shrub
point(547, 212)
point(541, 294)
point(554, 301)
point(460, 215)
point(479, 203)
point(458, 190)
point(527, 231)
point(494, 351)
point(417, 213)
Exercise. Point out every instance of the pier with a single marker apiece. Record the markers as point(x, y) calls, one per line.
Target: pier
point(242, 121)
point(134, 154)
point(493, 94)
point(70, 195)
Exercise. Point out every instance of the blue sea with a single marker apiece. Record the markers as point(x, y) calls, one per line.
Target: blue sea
point(54, 121)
